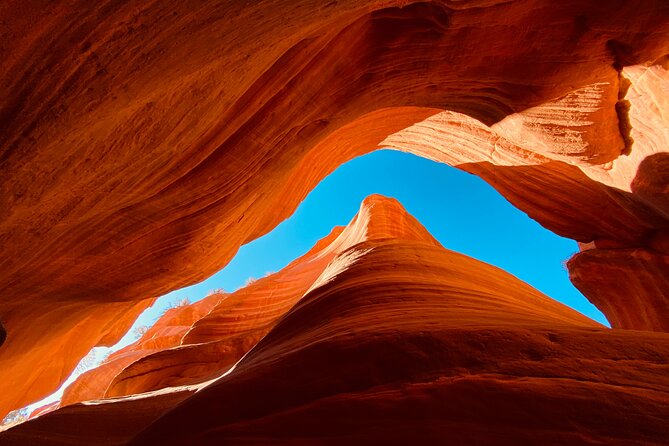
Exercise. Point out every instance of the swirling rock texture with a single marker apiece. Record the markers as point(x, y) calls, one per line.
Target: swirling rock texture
point(107, 422)
point(167, 332)
point(397, 340)
point(141, 143)
point(209, 342)
point(220, 336)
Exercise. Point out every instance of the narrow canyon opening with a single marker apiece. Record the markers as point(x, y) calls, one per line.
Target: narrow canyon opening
point(460, 210)
point(144, 143)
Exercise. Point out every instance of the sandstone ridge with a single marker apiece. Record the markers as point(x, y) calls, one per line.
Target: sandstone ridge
point(389, 337)
point(141, 143)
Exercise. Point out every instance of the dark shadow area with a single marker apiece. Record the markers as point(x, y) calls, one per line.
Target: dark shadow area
point(3, 334)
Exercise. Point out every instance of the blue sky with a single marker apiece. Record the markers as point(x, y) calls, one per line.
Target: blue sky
point(462, 211)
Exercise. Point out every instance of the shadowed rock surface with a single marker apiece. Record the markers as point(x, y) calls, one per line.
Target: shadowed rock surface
point(398, 340)
point(234, 323)
point(141, 143)
point(167, 332)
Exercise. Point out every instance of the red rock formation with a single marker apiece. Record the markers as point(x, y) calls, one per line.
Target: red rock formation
point(140, 147)
point(108, 422)
point(65, 330)
point(630, 281)
point(619, 281)
point(167, 332)
point(233, 327)
point(401, 341)
point(624, 216)
point(220, 338)
point(44, 409)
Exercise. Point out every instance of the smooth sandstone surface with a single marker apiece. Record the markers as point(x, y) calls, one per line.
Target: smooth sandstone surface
point(219, 337)
point(106, 422)
point(401, 341)
point(167, 332)
point(141, 143)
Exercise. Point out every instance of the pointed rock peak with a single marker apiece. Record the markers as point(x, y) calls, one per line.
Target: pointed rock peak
point(382, 217)
point(379, 218)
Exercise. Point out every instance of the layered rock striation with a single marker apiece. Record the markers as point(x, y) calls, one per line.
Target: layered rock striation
point(231, 325)
point(397, 340)
point(141, 146)
point(167, 332)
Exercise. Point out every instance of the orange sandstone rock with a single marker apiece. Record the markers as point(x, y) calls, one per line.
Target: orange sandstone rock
point(142, 146)
point(399, 341)
point(165, 333)
point(105, 423)
point(53, 357)
point(621, 282)
point(221, 337)
point(44, 409)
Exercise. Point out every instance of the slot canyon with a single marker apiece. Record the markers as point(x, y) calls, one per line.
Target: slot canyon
point(142, 143)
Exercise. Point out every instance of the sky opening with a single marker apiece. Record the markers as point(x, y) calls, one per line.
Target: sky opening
point(460, 210)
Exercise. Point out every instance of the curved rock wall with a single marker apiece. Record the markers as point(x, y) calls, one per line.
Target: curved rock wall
point(397, 341)
point(141, 143)
point(167, 332)
point(211, 342)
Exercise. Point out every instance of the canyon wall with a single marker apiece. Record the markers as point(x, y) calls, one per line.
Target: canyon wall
point(141, 143)
point(388, 337)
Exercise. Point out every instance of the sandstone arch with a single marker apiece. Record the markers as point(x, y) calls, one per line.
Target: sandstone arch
point(137, 140)
point(396, 340)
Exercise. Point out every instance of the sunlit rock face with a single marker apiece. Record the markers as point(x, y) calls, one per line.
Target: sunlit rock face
point(211, 341)
point(379, 334)
point(166, 333)
point(142, 143)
